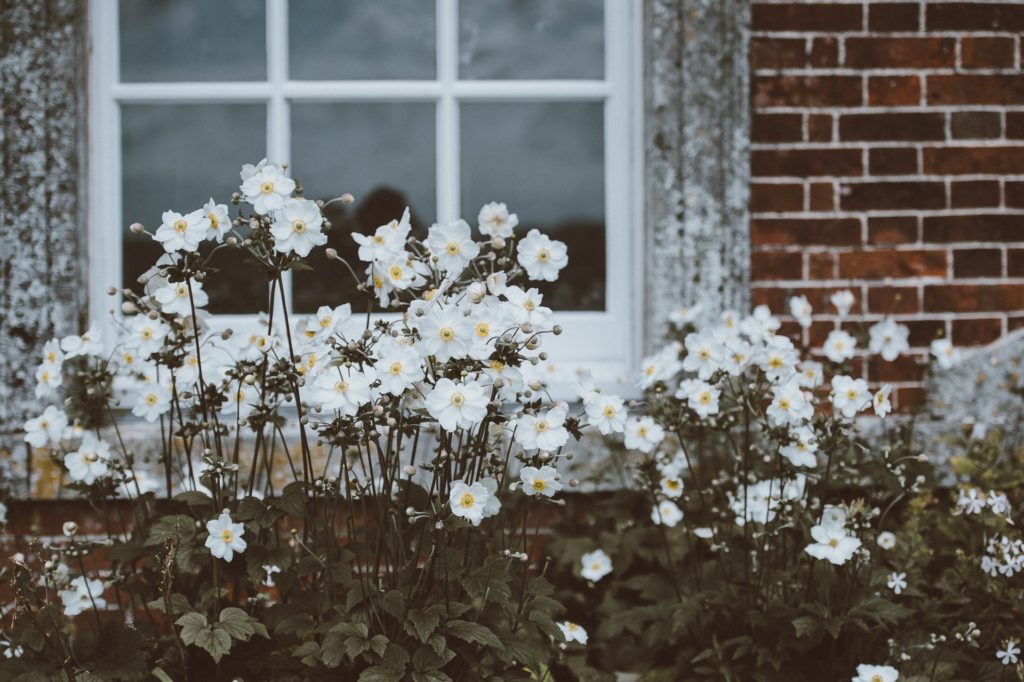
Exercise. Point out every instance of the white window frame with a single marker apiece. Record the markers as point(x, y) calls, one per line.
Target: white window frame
point(607, 342)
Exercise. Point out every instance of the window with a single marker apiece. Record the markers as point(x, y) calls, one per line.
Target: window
point(439, 106)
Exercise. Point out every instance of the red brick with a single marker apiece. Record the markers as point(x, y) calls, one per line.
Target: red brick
point(892, 161)
point(976, 89)
point(889, 263)
point(900, 53)
point(777, 53)
point(966, 16)
point(889, 300)
point(986, 53)
point(805, 231)
point(824, 53)
point(903, 126)
point(909, 397)
point(903, 369)
point(977, 332)
point(866, 196)
point(774, 265)
point(892, 91)
point(977, 263)
point(821, 265)
point(807, 91)
point(901, 16)
point(1013, 194)
point(805, 162)
point(970, 298)
point(923, 332)
point(995, 160)
point(1015, 262)
point(892, 229)
point(806, 17)
point(974, 228)
point(774, 198)
point(776, 128)
point(819, 128)
point(975, 125)
point(1013, 323)
point(974, 194)
point(822, 196)
point(1015, 125)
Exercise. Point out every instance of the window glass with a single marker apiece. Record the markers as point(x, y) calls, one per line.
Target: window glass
point(546, 161)
point(383, 154)
point(177, 157)
point(176, 40)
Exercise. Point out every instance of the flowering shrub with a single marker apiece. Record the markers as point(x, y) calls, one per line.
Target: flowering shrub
point(766, 536)
point(343, 495)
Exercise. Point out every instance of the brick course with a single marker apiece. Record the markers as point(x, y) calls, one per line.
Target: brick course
point(887, 159)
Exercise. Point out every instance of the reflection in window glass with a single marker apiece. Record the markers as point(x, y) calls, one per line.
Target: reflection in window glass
point(176, 157)
point(178, 40)
point(546, 161)
point(531, 39)
point(361, 39)
point(383, 153)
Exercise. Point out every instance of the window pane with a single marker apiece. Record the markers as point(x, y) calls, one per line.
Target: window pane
point(361, 39)
point(546, 161)
point(383, 153)
point(176, 157)
point(531, 39)
point(176, 40)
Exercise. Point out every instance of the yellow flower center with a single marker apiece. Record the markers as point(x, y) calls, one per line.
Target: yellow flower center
point(341, 387)
point(497, 365)
point(483, 329)
point(181, 290)
point(395, 272)
point(458, 400)
point(541, 425)
point(784, 403)
point(467, 500)
point(672, 484)
point(395, 369)
point(705, 397)
point(775, 362)
point(704, 353)
point(649, 370)
point(851, 394)
point(213, 220)
point(227, 535)
point(377, 282)
point(299, 226)
point(608, 411)
point(538, 484)
point(180, 225)
point(151, 399)
point(453, 248)
point(378, 239)
point(642, 431)
point(543, 256)
point(447, 333)
point(267, 187)
point(833, 542)
point(90, 457)
point(530, 305)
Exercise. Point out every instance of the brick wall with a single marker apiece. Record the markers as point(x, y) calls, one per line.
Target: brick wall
point(888, 158)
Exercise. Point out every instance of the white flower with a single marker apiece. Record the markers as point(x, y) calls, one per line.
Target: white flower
point(971, 501)
point(497, 282)
point(897, 582)
point(46, 428)
point(398, 368)
point(225, 537)
point(387, 241)
point(886, 540)
point(843, 301)
point(643, 433)
point(800, 452)
point(703, 354)
point(493, 504)
point(889, 339)
point(48, 378)
point(789, 405)
point(270, 570)
point(452, 245)
point(525, 306)
point(685, 315)
point(220, 223)
point(671, 486)
point(182, 232)
point(839, 346)
point(881, 401)
point(297, 227)
point(89, 461)
point(496, 221)
point(89, 343)
point(876, 673)
point(543, 481)
point(344, 389)
point(573, 632)
point(666, 513)
point(946, 355)
point(1010, 652)
point(81, 594)
point(541, 257)
point(3, 513)
point(52, 354)
point(832, 543)
point(457, 406)
point(174, 299)
point(468, 501)
point(998, 503)
point(446, 334)
point(661, 366)
point(810, 374)
point(266, 188)
point(543, 431)
point(595, 565)
point(736, 356)
point(703, 398)
point(849, 395)
point(147, 336)
point(607, 413)
point(330, 320)
point(154, 400)
point(800, 308)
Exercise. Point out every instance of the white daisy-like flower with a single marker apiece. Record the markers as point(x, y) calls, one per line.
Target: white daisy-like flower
point(344, 389)
point(493, 504)
point(832, 543)
point(801, 309)
point(174, 300)
point(468, 501)
point(843, 302)
point(595, 565)
point(297, 227)
point(446, 333)
point(849, 395)
point(643, 433)
point(881, 401)
point(146, 335)
point(496, 221)
point(789, 405)
point(876, 673)
point(457, 405)
point(89, 343)
point(452, 245)
point(839, 346)
point(153, 401)
point(1010, 653)
point(671, 487)
point(180, 232)
point(660, 366)
point(398, 368)
point(89, 461)
point(541, 256)
point(702, 398)
point(573, 632)
point(897, 582)
point(330, 321)
point(886, 540)
point(387, 241)
point(524, 306)
point(945, 353)
point(220, 222)
point(81, 595)
point(606, 412)
point(267, 188)
point(801, 450)
point(270, 570)
point(889, 339)
point(226, 537)
point(544, 430)
point(703, 354)
point(666, 513)
point(47, 428)
point(543, 481)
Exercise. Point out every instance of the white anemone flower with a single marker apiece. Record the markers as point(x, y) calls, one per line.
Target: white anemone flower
point(671, 487)
point(452, 245)
point(267, 188)
point(387, 241)
point(398, 368)
point(703, 354)
point(573, 632)
point(541, 256)
point(89, 343)
point(606, 412)
point(544, 430)
point(147, 336)
point(180, 232)
point(800, 308)
point(47, 428)
point(89, 461)
point(843, 301)
point(789, 405)
point(297, 227)
point(153, 401)
point(945, 353)
point(886, 540)
point(496, 221)
point(889, 339)
point(832, 543)
point(876, 673)
point(174, 299)
point(226, 537)
point(897, 582)
point(446, 333)
point(849, 395)
point(800, 452)
point(643, 434)
point(81, 595)
point(457, 405)
point(344, 389)
point(881, 401)
point(468, 501)
point(839, 346)
point(666, 513)
point(543, 481)
point(220, 222)
point(595, 565)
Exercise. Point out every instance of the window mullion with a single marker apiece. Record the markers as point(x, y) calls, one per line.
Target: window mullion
point(278, 125)
point(448, 184)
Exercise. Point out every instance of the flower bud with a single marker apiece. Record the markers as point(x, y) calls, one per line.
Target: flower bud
point(111, 291)
point(347, 198)
point(69, 528)
point(498, 243)
point(136, 228)
point(232, 241)
point(128, 308)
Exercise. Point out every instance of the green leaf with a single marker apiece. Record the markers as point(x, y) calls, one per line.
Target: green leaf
point(194, 498)
point(475, 633)
point(421, 624)
point(160, 675)
point(380, 674)
point(174, 527)
point(191, 625)
point(236, 623)
point(344, 639)
point(379, 644)
point(215, 641)
point(125, 552)
point(307, 653)
point(431, 676)
point(394, 603)
point(179, 604)
point(806, 625)
point(293, 500)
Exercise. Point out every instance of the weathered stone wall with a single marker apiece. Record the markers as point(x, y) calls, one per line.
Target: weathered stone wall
point(697, 153)
point(42, 81)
